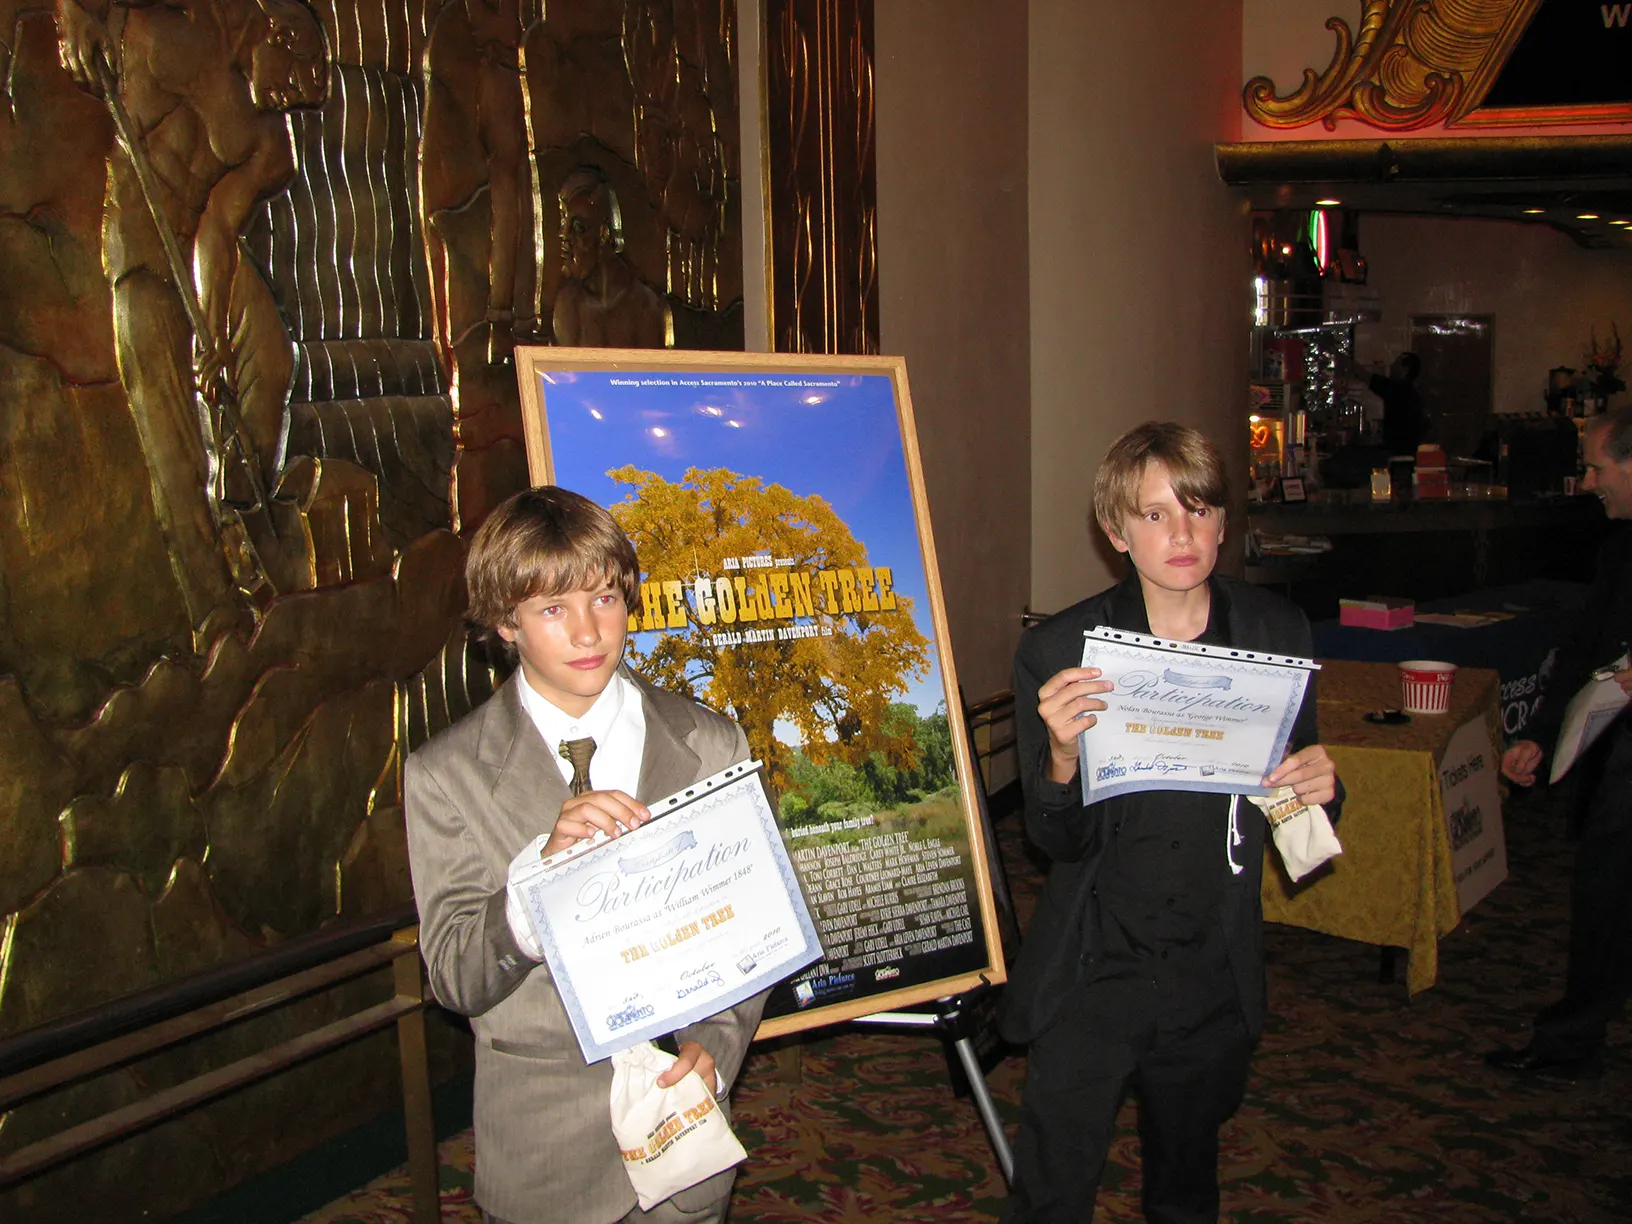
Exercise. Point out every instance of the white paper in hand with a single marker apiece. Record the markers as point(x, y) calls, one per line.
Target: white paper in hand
point(671, 1138)
point(1589, 713)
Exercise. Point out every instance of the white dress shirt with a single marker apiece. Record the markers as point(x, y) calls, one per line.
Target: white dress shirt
point(617, 724)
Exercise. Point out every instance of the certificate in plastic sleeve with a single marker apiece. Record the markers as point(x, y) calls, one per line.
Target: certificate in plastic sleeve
point(690, 914)
point(1187, 717)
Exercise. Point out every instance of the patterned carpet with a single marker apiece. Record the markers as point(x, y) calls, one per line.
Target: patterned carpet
point(1363, 1107)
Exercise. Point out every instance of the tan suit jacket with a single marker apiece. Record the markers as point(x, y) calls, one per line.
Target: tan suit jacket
point(476, 794)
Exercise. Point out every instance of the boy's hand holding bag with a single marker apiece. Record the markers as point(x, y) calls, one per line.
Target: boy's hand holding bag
point(671, 1138)
point(1302, 834)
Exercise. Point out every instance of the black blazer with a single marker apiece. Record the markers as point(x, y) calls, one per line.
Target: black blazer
point(1050, 963)
point(1602, 634)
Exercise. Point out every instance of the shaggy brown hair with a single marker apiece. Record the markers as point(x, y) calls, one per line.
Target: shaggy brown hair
point(1192, 463)
point(545, 541)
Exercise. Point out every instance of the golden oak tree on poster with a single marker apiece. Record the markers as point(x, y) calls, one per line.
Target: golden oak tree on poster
point(835, 690)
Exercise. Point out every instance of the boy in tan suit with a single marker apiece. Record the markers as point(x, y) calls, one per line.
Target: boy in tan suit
point(573, 744)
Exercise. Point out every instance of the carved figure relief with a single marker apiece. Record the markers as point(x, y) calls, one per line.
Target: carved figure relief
point(265, 263)
point(198, 91)
point(601, 301)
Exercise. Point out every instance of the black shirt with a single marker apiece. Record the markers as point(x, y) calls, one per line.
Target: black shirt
point(1155, 913)
point(1061, 950)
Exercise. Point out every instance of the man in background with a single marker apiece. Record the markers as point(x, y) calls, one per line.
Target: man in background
point(1404, 422)
point(1567, 1040)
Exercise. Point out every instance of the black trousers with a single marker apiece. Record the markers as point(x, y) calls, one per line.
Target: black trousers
point(1188, 1080)
point(1600, 966)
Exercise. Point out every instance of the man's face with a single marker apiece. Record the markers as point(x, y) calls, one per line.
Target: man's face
point(1172, 546)
point(1611, 481)
point(570, 644)
point(583, 228)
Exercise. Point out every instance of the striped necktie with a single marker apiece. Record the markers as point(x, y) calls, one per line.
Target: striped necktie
point(578, 752)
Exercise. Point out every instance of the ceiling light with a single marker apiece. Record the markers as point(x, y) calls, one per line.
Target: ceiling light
point(1586, 216)
point(1534, 212)
point(1327, 203)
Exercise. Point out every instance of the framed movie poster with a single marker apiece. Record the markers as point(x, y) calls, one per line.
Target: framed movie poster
point(788, 579)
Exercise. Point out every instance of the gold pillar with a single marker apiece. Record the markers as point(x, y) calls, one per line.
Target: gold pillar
point(822, 181)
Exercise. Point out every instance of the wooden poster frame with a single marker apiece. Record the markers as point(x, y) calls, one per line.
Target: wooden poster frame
point(743, 372)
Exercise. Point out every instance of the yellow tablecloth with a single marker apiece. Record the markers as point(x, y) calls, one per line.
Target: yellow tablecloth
point(1393, 883)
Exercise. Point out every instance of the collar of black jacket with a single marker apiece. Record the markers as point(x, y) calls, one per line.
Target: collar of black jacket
point(1127, 607)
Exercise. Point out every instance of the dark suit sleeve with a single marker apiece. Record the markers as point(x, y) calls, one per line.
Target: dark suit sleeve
point(1579, 653)
point(1056, 820)
point(471, 955)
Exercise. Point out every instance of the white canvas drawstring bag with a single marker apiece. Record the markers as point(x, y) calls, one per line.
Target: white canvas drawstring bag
point(671, 1138)
point(1302, 833)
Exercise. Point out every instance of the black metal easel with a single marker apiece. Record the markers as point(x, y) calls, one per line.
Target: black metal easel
point(954, 1021)
point(965, 1021)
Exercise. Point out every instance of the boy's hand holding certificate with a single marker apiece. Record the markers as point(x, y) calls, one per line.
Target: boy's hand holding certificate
point(1185, 717)
point(681, 918)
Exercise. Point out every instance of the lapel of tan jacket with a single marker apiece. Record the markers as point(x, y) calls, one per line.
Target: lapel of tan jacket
point(667, 762)
point(528, 787)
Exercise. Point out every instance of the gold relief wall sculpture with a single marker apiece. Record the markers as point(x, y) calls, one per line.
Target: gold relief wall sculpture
point(526, 100)
point(264, 262)
point(821, 176)
point(1416, 63)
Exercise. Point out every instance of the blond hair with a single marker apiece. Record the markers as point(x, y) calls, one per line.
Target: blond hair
point(1192, 463)
point(545, 541)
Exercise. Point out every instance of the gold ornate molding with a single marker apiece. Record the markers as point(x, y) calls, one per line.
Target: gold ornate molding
point(821, 176)
point(1413, 63)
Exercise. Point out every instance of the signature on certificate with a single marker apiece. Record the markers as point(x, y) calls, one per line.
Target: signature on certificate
point(700, 978)
point(1162, 764)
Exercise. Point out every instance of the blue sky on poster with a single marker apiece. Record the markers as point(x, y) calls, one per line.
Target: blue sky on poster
point(827, 434)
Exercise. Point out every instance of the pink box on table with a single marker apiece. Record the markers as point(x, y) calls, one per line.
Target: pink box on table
point(1378, 612)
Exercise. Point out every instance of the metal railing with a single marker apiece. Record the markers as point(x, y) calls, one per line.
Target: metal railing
point(986, 720)
point(51, 1056)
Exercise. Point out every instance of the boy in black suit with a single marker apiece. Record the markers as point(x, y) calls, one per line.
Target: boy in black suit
point(1144, 964)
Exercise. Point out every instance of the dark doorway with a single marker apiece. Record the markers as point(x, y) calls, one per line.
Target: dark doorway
point(1457, 354)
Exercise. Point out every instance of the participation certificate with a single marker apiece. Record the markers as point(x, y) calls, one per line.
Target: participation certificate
point(690, 914)
point(1187, 717)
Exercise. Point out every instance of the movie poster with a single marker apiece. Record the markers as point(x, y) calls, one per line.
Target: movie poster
point(788, 581)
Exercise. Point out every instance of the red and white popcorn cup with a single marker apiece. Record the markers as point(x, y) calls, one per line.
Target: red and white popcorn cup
point(1425, 686)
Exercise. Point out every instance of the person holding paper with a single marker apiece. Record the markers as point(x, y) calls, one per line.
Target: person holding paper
point(1567, 1037)
point(572, 747)
point(1144, 963)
